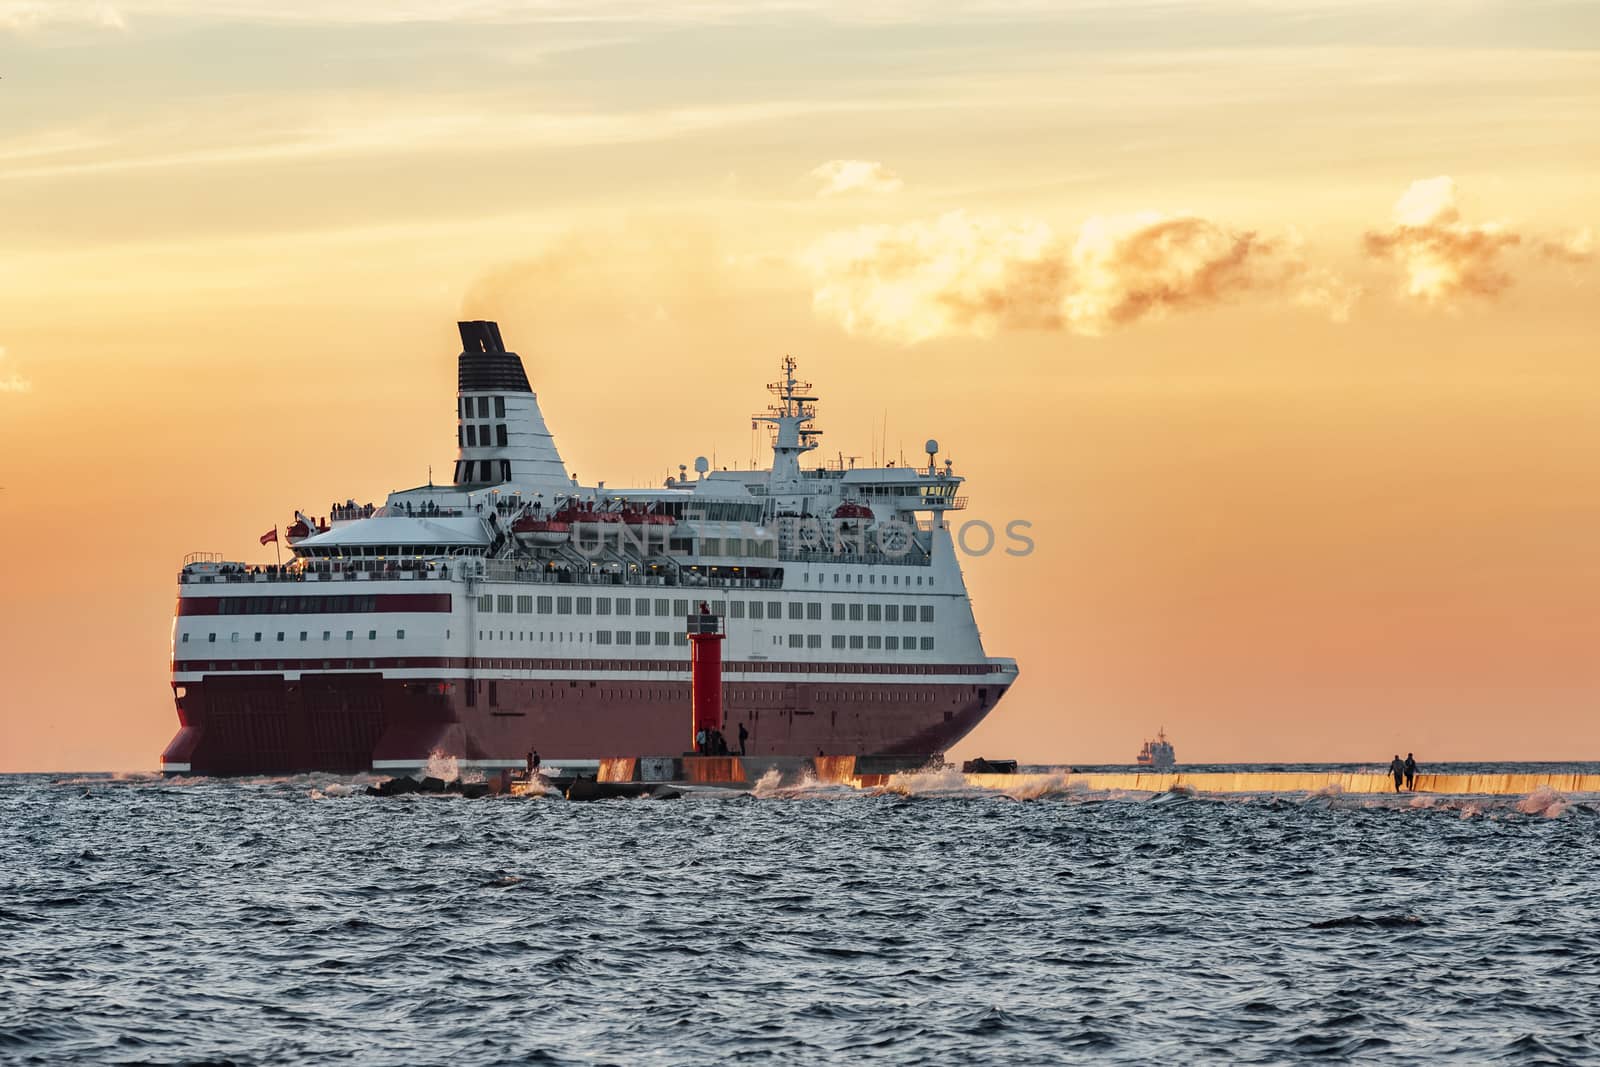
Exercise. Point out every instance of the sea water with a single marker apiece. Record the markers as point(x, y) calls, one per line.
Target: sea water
point(277, 921)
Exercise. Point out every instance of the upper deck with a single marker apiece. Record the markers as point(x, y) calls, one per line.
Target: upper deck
point(817, 562)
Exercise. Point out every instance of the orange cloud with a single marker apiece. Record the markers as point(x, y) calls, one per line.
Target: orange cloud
point(1441, 256)
point(972, 276)
point(1576, 247)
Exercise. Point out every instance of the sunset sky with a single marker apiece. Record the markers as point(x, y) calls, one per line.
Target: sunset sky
point(1280, 323)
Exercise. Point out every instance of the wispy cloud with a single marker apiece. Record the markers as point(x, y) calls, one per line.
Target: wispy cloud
point(1153, 13)
point(29, 14)
point(385, 125)
point(639, 268)
point(12, 382)
point(960, 275)
point(22, 16)
point(855, 175)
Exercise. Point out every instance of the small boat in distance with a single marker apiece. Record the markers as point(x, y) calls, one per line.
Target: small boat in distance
point(1158, 755)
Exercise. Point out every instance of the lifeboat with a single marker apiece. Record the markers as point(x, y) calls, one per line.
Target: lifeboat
point(853, 511)
point(584, 512)
point(643, 517)
point(541, 531)
point(554, 528)
point(303, 527)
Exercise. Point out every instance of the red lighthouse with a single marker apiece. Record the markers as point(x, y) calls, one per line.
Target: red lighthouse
point(705, 671)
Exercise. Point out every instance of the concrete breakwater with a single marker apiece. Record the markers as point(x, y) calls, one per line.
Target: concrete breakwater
point(1294, 782)
point(873, 771)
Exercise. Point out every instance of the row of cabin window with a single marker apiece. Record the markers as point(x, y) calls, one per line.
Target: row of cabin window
point(735, 609)
point(889, 642)
point(663, 638)
point(738, 693)
point(868, 579)
point(482, 471)
point(599, 637)
point(327, 635)
point(296, 605)
point(469, 435)
point(468, 406)
point(743, 548)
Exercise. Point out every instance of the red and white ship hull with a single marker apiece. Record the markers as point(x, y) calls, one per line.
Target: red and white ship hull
point(248, 723)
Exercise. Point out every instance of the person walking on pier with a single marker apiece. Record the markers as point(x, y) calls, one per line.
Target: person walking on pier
point(1411, 773)
point(1398, 769)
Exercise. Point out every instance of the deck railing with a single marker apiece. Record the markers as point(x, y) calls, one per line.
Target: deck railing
point(491, 570)
point(913, 556)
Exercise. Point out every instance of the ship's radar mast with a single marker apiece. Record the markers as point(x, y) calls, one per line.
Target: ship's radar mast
point(795, 435)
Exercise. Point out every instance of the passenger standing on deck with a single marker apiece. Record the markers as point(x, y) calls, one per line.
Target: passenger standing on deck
point(1411, 772)
point(1398, 769)
point(700, 742)
point(744, 735)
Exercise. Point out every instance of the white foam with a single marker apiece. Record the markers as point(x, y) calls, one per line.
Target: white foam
point(770, 786)
point(441, 766)
point(1544, 801)
point(1037, 786)
point(941, 781)
point(766, 786)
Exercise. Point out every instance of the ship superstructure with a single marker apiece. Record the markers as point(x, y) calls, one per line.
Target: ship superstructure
point(517, 609)
point(1158, 755)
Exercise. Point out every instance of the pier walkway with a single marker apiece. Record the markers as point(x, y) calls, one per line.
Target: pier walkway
point(873, 771)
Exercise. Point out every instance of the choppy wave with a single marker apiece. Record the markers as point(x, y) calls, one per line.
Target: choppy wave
point(929, 921)
point(773, 785)
point(1544, 801)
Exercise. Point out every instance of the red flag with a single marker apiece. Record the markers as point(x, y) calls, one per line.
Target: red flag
point(270, 537)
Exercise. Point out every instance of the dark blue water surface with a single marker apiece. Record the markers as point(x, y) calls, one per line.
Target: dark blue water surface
point(274, 921)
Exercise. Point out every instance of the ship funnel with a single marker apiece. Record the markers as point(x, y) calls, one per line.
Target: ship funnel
point(501, 436)
point(485, 365)
point(480, 336)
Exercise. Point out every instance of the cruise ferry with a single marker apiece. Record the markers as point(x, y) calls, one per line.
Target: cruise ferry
point(516, 609)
